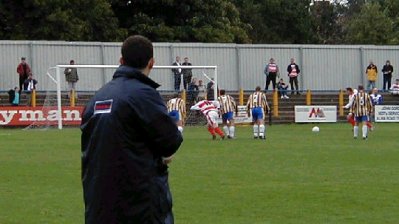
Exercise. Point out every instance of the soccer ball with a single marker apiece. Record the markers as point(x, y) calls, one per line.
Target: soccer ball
point(315, 129)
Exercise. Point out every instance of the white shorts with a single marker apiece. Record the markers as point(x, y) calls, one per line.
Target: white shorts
point(212, 117)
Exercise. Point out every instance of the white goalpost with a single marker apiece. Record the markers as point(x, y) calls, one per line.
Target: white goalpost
point(58, 71)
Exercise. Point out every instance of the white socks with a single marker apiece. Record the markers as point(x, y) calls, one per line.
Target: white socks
point(355, 131)
point(261, 130)
point(232, 131)
point(256, 130)
point(364, 130)
point(226, 130)
point(229, 131)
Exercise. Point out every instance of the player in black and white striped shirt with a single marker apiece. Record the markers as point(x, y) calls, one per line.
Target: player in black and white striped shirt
point(177, 110)
point(227, 108)
point(362, 107)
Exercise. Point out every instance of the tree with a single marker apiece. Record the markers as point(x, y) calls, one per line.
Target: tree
point(277, 21)
point(184, 21)
point(371, 26)
point(71, 20)
point(327, 22)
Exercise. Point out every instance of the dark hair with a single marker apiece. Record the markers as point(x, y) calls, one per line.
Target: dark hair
point(360, 87)
point(257, 88)
point(349, 89)
point(137, 51)
point(222, 92)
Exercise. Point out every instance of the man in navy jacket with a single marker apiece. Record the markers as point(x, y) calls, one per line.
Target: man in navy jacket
point(128, 139)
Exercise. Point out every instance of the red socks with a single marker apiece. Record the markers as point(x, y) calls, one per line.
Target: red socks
point(217, 130)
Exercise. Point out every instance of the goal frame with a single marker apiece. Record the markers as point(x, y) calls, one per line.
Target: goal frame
point(63, 66)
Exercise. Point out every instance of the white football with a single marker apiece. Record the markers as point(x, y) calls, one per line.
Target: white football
point(315, 129)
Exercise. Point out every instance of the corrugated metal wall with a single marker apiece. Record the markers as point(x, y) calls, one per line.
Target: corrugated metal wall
point(239, 66)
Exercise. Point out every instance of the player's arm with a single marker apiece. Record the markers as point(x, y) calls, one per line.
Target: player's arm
point(196, 106)
point(249, 105)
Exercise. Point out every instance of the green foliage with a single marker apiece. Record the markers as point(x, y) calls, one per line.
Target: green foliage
point(277, 21)
point(219, 21)
point(71, 20)
point(295, 176)
point(182, 21)
point(371, 26)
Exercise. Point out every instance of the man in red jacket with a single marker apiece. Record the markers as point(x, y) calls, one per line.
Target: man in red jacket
point(23, 70)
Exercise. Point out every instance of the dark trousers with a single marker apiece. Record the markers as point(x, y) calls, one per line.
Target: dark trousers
point(21, 83)
point(271, 78)
point(177, 82)
point(186, 81)
point(294, 81)
point(387, 81)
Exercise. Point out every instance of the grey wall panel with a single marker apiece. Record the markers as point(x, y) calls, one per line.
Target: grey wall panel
point(10, 57)
point(210, 55)
point(254, 60)
point(330, 69)
point(379, 57)
point(324, 67)
point(49, 55)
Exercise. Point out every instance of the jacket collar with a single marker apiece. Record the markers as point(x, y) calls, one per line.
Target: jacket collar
point(133, 73)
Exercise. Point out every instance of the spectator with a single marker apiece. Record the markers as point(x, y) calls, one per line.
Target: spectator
point(210, 90)
point(271, 72)
point(282, 88)
point(29, 85)
point(201, 90)
point(23, 70)
point(187, 73)
point(177, 74)
point(127, 140)
point(13, 96)
point(372, 74)
point(293, 72)
point(193, 91)
point(71, 76)
point(395, 88)
point(387, 75)
point(376, 99)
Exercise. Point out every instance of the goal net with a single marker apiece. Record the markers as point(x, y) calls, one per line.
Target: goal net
point(93, 77)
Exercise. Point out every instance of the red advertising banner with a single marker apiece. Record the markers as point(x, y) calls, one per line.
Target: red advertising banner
point(24, 116)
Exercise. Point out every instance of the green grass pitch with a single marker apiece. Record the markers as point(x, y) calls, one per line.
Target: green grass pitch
point(295, 176)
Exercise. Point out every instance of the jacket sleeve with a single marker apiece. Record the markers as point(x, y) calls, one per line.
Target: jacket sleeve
point(161, 131)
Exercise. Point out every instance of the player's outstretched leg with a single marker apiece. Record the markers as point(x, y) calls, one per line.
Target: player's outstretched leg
point(219, 132)
point(212, 131)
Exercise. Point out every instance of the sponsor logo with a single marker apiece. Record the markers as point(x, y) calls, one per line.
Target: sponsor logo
point(19, 116)
point(102, 107)
point(317, 113)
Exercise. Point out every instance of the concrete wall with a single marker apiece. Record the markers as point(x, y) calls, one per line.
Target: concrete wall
point(324, 67)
